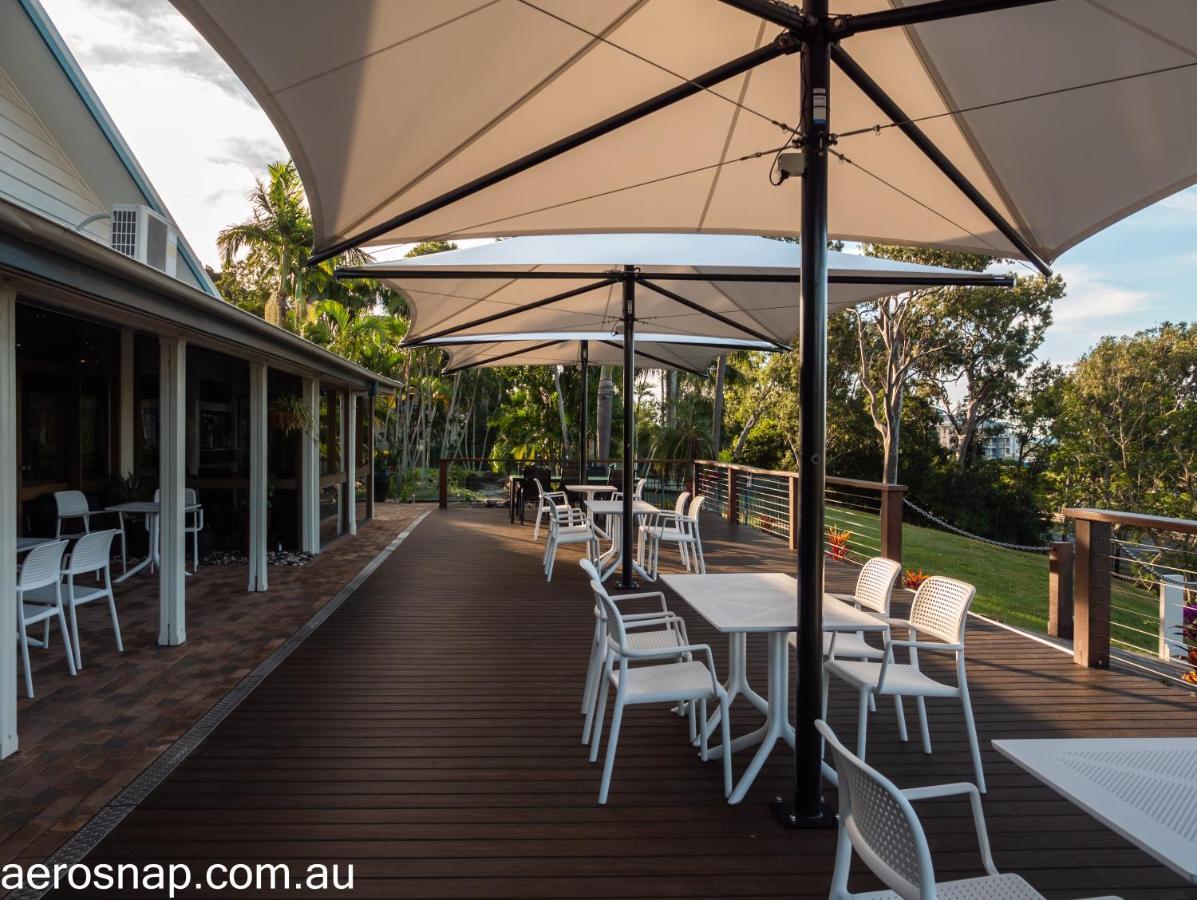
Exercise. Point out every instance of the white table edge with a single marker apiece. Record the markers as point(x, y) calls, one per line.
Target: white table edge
point(1002, 746)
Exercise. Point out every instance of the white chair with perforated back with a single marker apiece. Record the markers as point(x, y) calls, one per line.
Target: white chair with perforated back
point(656, 630)
point(549, 503)
point(193, 521)
point(41, 569)
point(659, 677)
point(877, 820)
point(940, 611)
point(570, 527)
point(874, 592)
point(90, 556)
point(671, 528)
point(659, 520)
point(72, 505)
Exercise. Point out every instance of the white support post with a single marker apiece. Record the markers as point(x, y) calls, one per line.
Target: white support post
point(125, 462)
point(309, 475)
point(351, 461)
point(258, 476)
point(1172, 615)
point(8, 523)
point(172, 397)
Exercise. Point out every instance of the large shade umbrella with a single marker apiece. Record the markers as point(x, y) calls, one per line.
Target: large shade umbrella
point(1011, 127)
point(687, 290)
point(547, 348)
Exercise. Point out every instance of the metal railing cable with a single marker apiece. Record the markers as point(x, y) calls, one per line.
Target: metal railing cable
point(948, 526)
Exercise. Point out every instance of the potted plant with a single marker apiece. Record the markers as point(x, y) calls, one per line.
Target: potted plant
point(838, 541)
point(289, 413)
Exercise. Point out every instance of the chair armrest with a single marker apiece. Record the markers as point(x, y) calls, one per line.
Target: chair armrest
point(650, 620)
point(928, 645)
point(956, 789)
point(619, 598)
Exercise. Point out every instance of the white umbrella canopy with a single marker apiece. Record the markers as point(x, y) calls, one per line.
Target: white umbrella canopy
point(565, 349)
point(389, 108)
point(483, 289)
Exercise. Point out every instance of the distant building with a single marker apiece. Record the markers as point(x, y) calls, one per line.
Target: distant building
point(997, 439)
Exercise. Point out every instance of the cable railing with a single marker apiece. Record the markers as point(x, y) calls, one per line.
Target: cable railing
point(863, 518)
point(1134, 588)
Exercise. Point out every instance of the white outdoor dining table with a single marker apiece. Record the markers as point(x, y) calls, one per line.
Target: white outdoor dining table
point(151, 511)
point(25, 544)
point(613, 509)
point(1142, 788)
point(590, 492)
point(746, 603)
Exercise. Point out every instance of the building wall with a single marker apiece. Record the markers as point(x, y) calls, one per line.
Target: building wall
point(36, 173)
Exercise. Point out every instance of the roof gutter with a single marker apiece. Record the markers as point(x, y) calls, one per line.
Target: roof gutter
point(34, 246)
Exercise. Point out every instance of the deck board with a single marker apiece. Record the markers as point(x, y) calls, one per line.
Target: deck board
point(428, 732)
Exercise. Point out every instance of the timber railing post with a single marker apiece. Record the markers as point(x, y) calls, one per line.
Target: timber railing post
point(892, 496)
point(443, 485)
point(1091, 602)
point(1059, 589)
point(733, 497)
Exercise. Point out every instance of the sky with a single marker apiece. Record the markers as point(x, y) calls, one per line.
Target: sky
point(202, 139)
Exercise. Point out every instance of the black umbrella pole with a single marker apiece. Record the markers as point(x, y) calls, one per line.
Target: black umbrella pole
point(627, 576)
point(808, 809)
point(584, 429)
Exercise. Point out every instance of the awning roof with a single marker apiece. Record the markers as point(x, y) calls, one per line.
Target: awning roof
point(653, 351)
point(489, 288)
point(1066, 116)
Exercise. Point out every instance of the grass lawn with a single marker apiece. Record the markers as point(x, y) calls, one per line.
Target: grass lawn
point(1011, 585)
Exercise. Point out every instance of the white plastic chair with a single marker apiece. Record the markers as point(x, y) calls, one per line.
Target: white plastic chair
point(939, 610)
point(662, 678)
point(193, 521)
point(89, 556)
point(74, 505)
point(41, 569)
point(651, 522)
point(671, 528)
point(570, 527)
point(874, 592)
point(877, 820)
point(657, 630)
point(640, 483)
point(550, 503)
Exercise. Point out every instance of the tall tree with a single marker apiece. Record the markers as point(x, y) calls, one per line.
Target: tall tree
point(279, 224)
point(895, 336)
point(603, 410)
point(1126, 436)
point(717, 410)
point(991, 337)
point(1035, 408)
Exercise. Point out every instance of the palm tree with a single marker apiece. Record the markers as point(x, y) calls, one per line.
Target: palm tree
point(281, 225)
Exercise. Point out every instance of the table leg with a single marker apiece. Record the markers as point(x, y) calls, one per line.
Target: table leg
point(777, 723)
point(737, 683)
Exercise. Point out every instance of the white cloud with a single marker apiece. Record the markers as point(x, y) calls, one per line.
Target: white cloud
point(1092, 300)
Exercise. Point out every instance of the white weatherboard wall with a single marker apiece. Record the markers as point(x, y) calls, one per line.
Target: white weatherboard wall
point(8, 519)
point(36, 173)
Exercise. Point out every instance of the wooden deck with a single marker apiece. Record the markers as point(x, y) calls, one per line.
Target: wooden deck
point(429, 734)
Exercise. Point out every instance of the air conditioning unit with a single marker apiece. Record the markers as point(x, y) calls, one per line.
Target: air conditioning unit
point(142, 234)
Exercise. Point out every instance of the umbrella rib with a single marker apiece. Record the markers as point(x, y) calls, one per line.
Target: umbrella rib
point(494, 317)
point(718, 317)
point(490, 359)
point(781, 46)
point(657, 359)
point(918, 137)
point(934, 11)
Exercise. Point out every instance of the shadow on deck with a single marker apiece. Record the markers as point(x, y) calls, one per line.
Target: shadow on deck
point(428, 733)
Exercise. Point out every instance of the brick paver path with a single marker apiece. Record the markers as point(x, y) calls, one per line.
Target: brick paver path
point(85, 738)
